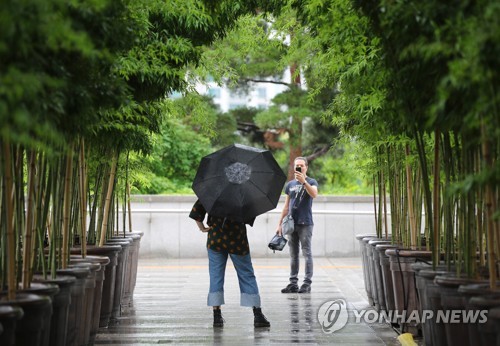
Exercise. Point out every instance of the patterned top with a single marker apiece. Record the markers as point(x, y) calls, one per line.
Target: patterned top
point(224, 234)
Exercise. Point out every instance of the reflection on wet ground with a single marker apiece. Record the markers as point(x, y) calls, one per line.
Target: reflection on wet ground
point(169, 306)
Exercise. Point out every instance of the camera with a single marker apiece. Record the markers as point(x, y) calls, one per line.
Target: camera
point(298, 169)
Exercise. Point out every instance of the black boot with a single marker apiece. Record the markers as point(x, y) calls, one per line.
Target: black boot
point(259, 319)
point(218, 320)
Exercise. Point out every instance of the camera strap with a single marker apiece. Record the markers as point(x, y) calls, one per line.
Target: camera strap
point(299, 195)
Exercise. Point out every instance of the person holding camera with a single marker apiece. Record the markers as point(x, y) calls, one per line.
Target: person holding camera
point(228, 238)
point(300, 193)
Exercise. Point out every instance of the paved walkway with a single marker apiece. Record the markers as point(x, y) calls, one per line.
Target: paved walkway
point(170, 307)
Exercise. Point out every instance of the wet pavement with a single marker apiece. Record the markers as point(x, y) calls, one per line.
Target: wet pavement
point(169, 306)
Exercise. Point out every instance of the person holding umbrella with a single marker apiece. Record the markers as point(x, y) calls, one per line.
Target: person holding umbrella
point(300, 193)
point(228, 238)
point(234, 185)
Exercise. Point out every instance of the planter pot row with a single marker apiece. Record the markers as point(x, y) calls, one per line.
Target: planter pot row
point(402, 282)
point(69, 309)
point(390, 280)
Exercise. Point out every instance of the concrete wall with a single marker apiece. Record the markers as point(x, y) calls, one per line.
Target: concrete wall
point(170, 233)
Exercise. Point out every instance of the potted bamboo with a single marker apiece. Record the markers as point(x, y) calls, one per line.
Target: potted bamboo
point(434, 114)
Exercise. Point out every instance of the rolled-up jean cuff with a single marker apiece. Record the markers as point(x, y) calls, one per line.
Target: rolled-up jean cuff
point(215, 298)
point(250, 300)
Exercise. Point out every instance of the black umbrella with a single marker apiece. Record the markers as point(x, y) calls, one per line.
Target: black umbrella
point(239, 182)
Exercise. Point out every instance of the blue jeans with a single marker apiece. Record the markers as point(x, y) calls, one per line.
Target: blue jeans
point(302, 235)
point(246, 278)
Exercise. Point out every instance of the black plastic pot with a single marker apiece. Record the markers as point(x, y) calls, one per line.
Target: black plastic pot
point(385, 270)
point(83, 335)
point(451, 299)
point(60, 305)
point(121, 270)
point(132, 263)
point(479, 297)
point(367, 269)
point(430, 299)
point(9, 315)
point(76, 308)
point(36, 308)
point(362, 249)
point(93, 320)
point(50, 290)
point(405, 290)
point(379, 289)
point(136, 262)
point(108, 288)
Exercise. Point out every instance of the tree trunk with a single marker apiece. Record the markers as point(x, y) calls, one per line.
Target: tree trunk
point(295, 130)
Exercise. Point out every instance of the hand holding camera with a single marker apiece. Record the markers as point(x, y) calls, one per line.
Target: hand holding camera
point(299, 176)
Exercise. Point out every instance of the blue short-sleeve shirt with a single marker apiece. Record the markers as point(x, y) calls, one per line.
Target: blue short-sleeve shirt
point(300, 201)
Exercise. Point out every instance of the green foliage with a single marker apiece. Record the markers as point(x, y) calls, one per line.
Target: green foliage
point(50, 53)
point(340, 174)
point(290, 102)
point(175, 156)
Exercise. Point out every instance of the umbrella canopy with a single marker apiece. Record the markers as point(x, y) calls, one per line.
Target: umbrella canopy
point(239, 182)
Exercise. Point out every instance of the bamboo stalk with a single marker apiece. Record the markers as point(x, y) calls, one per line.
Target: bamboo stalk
point(41, 211)
point(404, 216)
point(66, 210)
point(411, 211)
point(379, 211)
point(375, 199)
point(385, 207)
point(9, 208)
point(56, 177)
point(397, 205)
point(28, 232)
point(129, 208)
point(83, 200)
point(107, 202)
point(19, 205)
point(126, 201)
point(92, 238)
point(417, 203)
point(448, 199)
point(427, 196)
point(436, 202)
point(117, 216)
point(105, 172)
point(489, 203)
point(470, 225)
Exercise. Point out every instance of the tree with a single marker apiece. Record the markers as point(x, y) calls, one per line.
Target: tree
point(417, 85)
point(80, 81)
point(257, 52)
